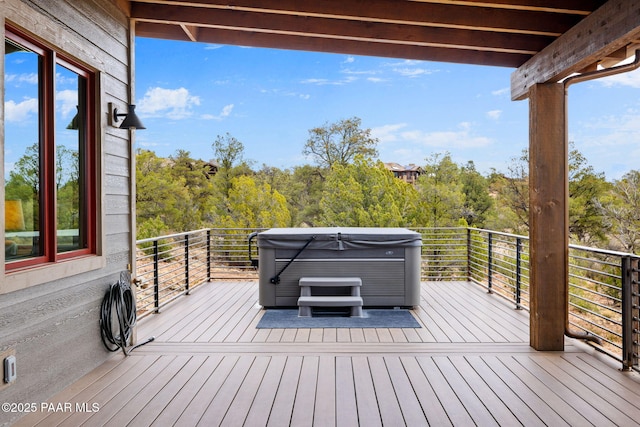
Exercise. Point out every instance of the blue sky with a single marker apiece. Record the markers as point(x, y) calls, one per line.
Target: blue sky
point(188, 93)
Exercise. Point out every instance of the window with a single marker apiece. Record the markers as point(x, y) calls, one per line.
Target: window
point(49, 155)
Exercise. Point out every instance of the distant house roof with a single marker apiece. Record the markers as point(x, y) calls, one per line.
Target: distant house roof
point(409, 173)
point(396, 167)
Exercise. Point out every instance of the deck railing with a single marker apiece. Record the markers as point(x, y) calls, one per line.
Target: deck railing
point(603, 285)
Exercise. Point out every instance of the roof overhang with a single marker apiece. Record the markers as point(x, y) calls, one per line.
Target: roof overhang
point(546, 40)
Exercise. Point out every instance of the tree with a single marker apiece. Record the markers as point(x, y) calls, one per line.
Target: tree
point(477, 201)
point(339, 143)
point(24, 184)
point(621, 207)
point(229, 152)
point(197, 182)
point(442, 192)
point(366, 194)
point(515, 191)
point(585, 188)
point(161, 195)
point(251, 206)
point(302, 187)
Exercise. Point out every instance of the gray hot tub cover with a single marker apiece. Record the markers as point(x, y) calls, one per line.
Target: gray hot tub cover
point(338, 238)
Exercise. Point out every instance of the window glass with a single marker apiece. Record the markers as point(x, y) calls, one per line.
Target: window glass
point(22, 155)
point(49, 156)
point(70, 139)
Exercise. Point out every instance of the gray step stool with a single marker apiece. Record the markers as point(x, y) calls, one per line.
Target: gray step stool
point(307, 300)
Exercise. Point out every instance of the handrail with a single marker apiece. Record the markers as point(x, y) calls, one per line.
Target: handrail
point(604, 298)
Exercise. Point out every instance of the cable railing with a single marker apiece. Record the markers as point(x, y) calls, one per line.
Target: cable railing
point(603, 295)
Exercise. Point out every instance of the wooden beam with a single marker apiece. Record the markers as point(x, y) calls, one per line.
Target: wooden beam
point(566, 6)
point(323, 44)
point(437, 14)
point(410, 34)
point(548, 216)
point(611, 27)
point(191, 31)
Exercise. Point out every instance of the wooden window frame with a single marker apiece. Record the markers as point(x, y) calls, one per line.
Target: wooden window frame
point(89, 161)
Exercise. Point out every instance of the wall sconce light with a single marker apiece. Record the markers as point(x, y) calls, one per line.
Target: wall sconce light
point(131, 120)
point(74, 124)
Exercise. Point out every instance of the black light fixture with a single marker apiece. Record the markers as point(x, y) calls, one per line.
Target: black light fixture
point(74, 124)
point(131, 120)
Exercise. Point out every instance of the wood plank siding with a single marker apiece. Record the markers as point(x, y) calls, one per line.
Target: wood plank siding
point(51, 321)
point(470, 363)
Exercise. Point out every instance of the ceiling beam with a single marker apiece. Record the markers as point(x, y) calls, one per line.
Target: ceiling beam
point(611, 27)
point(340, 29)
point(191, 31)
point(329, 45)
point(557, 6)
point(464, 14)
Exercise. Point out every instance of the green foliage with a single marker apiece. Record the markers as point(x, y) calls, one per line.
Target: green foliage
point(364, 194)
point(150, 228)
point(229, 152)
point(339, 143)
point(586, 188)
point(254, 206)
point(162, 193)
point(302, 188)
point(621, 208)
point(477, 202)
point(442, 192)
point(349, 188)
point(513, 192)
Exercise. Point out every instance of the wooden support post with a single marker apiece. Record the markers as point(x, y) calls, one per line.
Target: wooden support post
point(548, 215)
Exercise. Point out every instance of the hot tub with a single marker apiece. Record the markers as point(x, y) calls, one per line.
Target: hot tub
point(387, 260)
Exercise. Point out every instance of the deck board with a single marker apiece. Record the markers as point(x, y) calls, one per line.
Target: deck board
point(470, 363)
point(263, 402)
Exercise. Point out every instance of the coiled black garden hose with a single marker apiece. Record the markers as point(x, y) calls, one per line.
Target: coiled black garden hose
point(118, 316)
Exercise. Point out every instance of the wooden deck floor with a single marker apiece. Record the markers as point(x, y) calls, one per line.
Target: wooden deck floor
point(469, 364)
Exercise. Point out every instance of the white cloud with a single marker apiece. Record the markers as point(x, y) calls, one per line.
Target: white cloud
point(387, 133)
point(413, 72)
point(226, 112)
point(410, 68)
point(30, 78)
point(631, 79)
point(170, 103)
point(67, 101)
point(349, 60)
point(610, 142)
point(18, 112)
point(494, 114)
point(500, 92)
point(62, 79)
point(413, 139)
point(324, 82)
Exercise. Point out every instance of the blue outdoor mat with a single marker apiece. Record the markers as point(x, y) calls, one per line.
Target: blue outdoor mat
point(378, 318)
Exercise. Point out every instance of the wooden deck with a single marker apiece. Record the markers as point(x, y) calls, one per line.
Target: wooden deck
point(469, 364)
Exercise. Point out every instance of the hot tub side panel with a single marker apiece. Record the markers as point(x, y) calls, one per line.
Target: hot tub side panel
point(267, 270)
point(390, 272)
